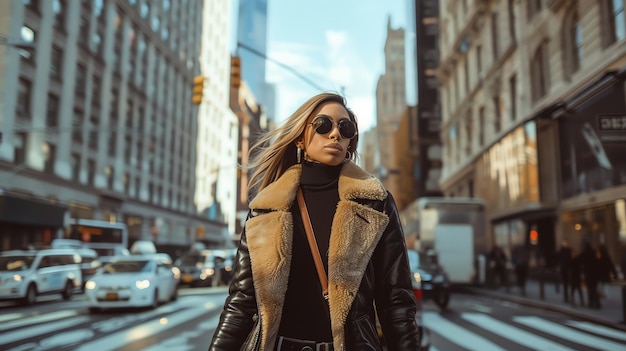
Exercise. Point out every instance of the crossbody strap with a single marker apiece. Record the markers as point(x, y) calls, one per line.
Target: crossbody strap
point(321, 272)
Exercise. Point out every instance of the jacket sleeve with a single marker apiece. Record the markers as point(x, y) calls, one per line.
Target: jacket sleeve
point(395, 302)
point(240, 309)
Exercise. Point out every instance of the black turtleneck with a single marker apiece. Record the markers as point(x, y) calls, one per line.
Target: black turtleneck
point(305, 314)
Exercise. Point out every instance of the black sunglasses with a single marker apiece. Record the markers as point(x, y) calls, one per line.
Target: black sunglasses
point(324, 124)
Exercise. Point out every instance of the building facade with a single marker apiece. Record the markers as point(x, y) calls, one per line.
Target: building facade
point(390, 105)
point(217, 134)
point(252, 48)
point(532, 108)
point(97, 118)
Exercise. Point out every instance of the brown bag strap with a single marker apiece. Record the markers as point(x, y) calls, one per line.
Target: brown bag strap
point(321, 272)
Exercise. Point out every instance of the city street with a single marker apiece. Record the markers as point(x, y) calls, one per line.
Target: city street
point(472, 322)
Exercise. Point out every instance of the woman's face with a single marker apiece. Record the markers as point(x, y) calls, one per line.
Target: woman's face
point(329, 148)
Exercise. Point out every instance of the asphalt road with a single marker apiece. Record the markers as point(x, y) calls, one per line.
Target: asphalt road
point(470, 323)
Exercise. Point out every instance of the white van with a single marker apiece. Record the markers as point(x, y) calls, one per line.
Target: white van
point(24, 275)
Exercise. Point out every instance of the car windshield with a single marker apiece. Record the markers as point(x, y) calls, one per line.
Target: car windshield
point(128, 267)
point(15, 263)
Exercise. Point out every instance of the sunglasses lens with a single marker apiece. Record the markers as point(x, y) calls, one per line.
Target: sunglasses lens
point(347, 129)
point(322, 125)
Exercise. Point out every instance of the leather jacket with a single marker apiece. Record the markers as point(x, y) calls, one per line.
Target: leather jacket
point(368, 270)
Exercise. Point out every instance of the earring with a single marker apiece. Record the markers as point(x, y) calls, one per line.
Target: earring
point(348, 156)
point(298, 154)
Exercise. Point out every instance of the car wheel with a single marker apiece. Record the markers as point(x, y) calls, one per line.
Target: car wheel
point(31, 295)
point(442, 298)
point(155, 300)
point(67, 291)
point(174, 296)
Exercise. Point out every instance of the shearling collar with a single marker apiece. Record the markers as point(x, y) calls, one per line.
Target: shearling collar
point(354, 183)
point(355, 232)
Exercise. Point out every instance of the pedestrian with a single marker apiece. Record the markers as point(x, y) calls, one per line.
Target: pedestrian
point(607, 270)
point(564, 266)
point(576, 278)
point(497, 265)
point(520, 258)
point(591, 270)
point(279, 298)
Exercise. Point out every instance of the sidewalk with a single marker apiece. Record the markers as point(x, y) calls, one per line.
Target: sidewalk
point(611, 314)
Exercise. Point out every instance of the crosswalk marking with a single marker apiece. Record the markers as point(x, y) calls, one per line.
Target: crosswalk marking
point(570, 334)
point(53, 316)
point(597, 329)
point(517, 335)
point(462, 337)
point(41, 329)
point(117, 340)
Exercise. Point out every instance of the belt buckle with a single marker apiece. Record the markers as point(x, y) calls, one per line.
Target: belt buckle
point(324, 346)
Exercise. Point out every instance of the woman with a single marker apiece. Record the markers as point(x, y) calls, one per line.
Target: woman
point(275, 299)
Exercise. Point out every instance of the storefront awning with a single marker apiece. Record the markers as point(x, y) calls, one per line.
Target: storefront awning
point(15, 209)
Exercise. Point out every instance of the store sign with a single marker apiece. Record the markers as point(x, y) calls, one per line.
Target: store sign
point(612, 123)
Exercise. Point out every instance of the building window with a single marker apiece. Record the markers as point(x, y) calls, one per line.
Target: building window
point(494, 35)
point(95, 88)
point(479, 59)
point(27, 35)
point(83, 35)
point(19, 148)
point(81, 80)
point(58, 7)
point(77, 126)
point(56, 62)
point(540, 72)
point(109, 172)
point(617, 20)
point(497, 114)
point(52, 114)
point(513, 96)
point(93, 133)
point(481, 125)
point(91, 172)
point(469, 133)
point(75, 160)
point(23, 98)
point(533, 7)
point(49, 153)
point(512, 23)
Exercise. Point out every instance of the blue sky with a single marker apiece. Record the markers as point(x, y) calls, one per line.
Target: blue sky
point(338, 44)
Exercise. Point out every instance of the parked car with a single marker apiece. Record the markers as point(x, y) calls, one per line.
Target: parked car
point(26, 274)
point(133, 281)
point(208, 267)
point(436, 284)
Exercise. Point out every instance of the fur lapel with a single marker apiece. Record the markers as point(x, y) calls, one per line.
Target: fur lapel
point(355, 232)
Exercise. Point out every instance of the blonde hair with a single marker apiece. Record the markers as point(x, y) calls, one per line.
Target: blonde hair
point(274, 152)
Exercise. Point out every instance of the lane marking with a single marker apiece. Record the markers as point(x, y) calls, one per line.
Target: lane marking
point(457, 334)
point(512, 333)
point(570, 334)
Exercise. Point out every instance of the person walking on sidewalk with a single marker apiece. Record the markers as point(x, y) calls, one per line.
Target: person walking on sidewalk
point(576, 281)
point(564, 257)
point(607, 270)
point(497, 265)
point(591, 270)
point(519, 256)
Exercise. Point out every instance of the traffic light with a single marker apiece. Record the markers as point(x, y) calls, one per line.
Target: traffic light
point(198, 89)
point(235, 72)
